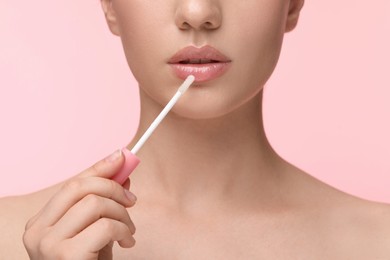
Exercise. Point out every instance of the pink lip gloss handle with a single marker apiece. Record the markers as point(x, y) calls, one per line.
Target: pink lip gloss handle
point(131, 162)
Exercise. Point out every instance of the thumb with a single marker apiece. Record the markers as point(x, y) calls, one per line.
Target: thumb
point(107, 167)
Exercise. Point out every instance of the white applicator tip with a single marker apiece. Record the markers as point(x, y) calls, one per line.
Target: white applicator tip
point(187, 83)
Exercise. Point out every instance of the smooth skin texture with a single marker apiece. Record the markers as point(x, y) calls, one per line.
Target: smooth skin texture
point(210, 186)
point(84, 217)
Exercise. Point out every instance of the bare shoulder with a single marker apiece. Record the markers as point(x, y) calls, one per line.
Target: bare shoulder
point(360, 227)
point(15, 212)
point(372, 219)
point(346, 225)
point(12, 222)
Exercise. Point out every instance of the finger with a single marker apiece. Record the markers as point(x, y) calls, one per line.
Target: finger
point(96, 236)
point(107, 167)
point(90, 209)
point(74, 191)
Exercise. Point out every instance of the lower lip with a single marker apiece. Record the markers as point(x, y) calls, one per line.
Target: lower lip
point(201, 72)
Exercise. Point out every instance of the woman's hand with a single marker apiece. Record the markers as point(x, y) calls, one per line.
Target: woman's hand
point(85, 217)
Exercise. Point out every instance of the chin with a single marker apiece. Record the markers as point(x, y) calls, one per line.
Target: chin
point(203, 110)
point(198, 114)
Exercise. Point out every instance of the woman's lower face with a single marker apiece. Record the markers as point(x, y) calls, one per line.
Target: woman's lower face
point(246, 35)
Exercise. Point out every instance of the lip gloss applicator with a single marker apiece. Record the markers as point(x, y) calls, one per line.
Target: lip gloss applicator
point(131, 160)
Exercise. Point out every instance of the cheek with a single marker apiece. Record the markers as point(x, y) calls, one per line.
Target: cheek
point(141, 26)
point(260, 32)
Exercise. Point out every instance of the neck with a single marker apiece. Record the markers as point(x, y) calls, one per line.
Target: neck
point(216, 158)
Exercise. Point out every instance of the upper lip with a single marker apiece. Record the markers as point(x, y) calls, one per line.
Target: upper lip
point(192, 54)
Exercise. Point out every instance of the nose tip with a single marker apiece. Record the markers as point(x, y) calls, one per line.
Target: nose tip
point(198, 15)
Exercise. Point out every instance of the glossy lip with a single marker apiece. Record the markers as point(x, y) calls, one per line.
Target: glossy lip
point(202, 71)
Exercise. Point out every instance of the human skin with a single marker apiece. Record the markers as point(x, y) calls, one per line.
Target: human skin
point(210, 186)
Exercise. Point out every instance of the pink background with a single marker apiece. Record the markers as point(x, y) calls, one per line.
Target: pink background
point(67, 98)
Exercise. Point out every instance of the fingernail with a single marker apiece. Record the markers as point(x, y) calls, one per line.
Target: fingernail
point(114, 156)
point(130, 196)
